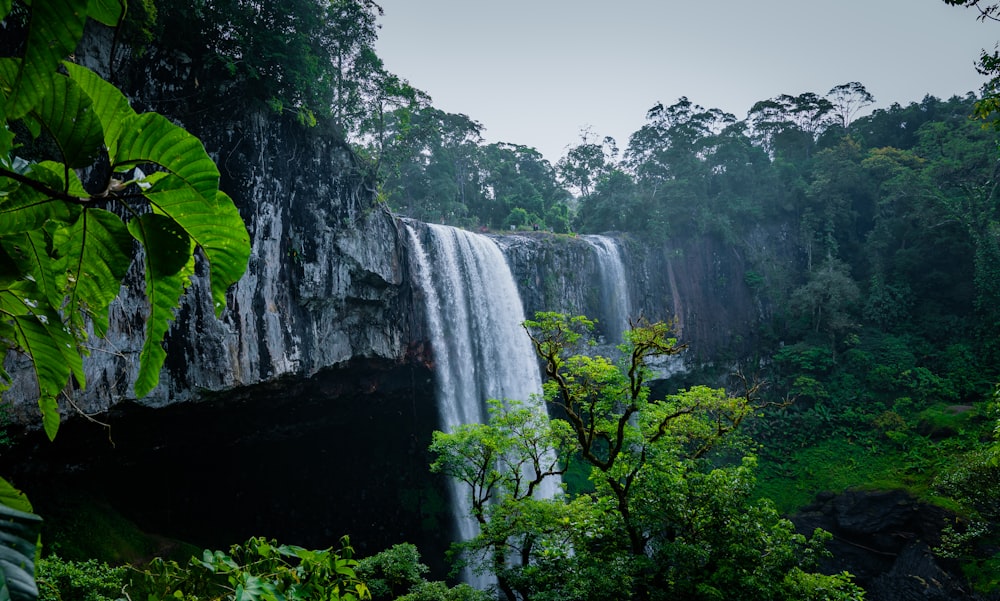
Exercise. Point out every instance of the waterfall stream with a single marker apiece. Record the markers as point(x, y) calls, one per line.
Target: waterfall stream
point(481, 351)
point(615, 299)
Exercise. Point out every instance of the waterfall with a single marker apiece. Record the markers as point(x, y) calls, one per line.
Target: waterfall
point(616, 306)
point(481, 351)
point(615, 302)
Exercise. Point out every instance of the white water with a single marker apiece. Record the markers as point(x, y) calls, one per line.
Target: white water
point(615, 299)
point(481, 352)
point(616, 305)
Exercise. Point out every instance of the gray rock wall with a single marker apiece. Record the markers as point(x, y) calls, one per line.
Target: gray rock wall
point(326, 281)
point(699, 285)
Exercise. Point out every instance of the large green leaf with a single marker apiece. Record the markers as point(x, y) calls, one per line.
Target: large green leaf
point(37, 330)
point(32, 257)
point(216, 227)
point(110, 106)
point(13, 498)
point(226, 244)
point(46, 344)
point(19, 532)
point(152, 138)
point(5, 6)
point(169, 247)
point(66, 112)
point(163, 288)
point(107, 12)
point(95, 253)
point(55, 29)
point(28, 207)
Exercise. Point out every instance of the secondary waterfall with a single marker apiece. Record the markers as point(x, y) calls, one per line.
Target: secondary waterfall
point(481, 352)
point(615, 299)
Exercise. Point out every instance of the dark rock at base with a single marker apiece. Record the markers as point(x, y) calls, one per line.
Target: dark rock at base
point(885, 539)
point(916, 575)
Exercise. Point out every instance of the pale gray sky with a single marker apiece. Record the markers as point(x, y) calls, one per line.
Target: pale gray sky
point(535, 72)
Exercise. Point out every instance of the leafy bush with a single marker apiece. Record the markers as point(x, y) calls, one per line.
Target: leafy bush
point(392, 572)
point(258, 569)
point(91, 580)
point(397, 573)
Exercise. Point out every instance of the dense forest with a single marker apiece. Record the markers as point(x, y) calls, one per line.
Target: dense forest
point(880, 338)
point(872, 247)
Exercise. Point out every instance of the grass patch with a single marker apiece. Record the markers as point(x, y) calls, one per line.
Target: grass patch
point(839, 464)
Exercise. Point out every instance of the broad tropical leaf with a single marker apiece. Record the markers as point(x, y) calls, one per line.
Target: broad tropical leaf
point(110, 106)
point(13, 498)
point(19, 532)
point(31, 254)
point(107, 12)
point(214, 226)
point(30, 206)
point(152, 138)
point(95, 253)
point(163, 288)
point(53, 352)
point(67, 114)
point(55, 29)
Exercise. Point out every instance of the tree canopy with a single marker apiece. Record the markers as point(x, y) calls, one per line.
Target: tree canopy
point(667, 508)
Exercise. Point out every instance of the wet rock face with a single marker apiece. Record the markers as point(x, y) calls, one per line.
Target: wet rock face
point(326, 281)
point(699, 285)
point(885, 540)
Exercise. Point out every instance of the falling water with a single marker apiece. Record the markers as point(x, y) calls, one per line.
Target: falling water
point(615, 300)
point(616, 306)
point(481, 352)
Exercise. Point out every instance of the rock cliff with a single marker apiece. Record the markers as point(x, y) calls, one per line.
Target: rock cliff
point(326, 282)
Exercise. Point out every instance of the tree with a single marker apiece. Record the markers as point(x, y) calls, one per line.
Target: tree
point(665, 512)
point(827, 300)
point(397, 573)
point(668, 155)
point(430, 164)
point(314, 59)
point(848, 99)
point(585, 163)
point(517, 177)
point(789, 125)
point(614, 204)
point(987, 107)
point(64, 244)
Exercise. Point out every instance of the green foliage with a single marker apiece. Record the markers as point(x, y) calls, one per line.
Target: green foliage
point(259, 569)
point(19, 534)
point(508, 457)
point(64, 256)
point(397, 573)
point(392, 572)
point(64, 247)
point(805, 358)
point(439, 591)
point(91, 580)
point(314, 60)
point(667, 515)
point(438, 169)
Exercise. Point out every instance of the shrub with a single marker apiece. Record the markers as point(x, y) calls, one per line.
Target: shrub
point(91, 580)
